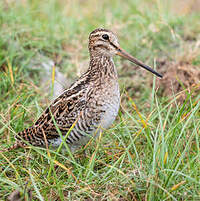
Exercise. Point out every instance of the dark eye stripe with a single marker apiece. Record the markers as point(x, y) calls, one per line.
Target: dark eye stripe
point(95, 35)
point(113, 45)
point(101, 46)
point(101, 40)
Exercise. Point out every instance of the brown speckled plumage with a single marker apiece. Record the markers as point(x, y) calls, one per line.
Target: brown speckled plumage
point(92, 101)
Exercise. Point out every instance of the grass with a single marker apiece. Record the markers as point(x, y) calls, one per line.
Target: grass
point(152, 150)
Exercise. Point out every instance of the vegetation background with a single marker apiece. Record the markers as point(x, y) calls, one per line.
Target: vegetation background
point(152, 150)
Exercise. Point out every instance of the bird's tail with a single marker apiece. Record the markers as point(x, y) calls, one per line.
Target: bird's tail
point(15, 146)
point(19, 137)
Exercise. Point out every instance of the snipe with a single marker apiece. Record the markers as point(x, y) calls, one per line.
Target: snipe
point(92, 101)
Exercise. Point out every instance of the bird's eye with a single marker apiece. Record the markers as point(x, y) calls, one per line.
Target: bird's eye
point(105, 36)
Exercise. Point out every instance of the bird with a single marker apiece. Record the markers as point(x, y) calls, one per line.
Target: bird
point(89, 105)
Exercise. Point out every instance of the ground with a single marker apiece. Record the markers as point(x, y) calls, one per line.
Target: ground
point(152, 150)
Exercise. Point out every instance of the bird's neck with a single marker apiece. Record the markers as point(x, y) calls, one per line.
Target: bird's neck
point(103, 65)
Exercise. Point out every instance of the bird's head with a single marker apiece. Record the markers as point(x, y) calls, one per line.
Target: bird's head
point(105, 42)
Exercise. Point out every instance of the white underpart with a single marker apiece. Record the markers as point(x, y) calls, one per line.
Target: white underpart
point(111, 108)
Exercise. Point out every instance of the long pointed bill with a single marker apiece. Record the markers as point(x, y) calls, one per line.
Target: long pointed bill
point(125, 55)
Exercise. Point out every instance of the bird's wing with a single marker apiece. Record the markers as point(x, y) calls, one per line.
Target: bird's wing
point(64, 110)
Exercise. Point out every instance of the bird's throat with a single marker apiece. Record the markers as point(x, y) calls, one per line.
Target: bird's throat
point(103, 66)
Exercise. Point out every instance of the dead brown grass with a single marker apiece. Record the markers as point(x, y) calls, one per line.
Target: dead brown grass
point(181, 76)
